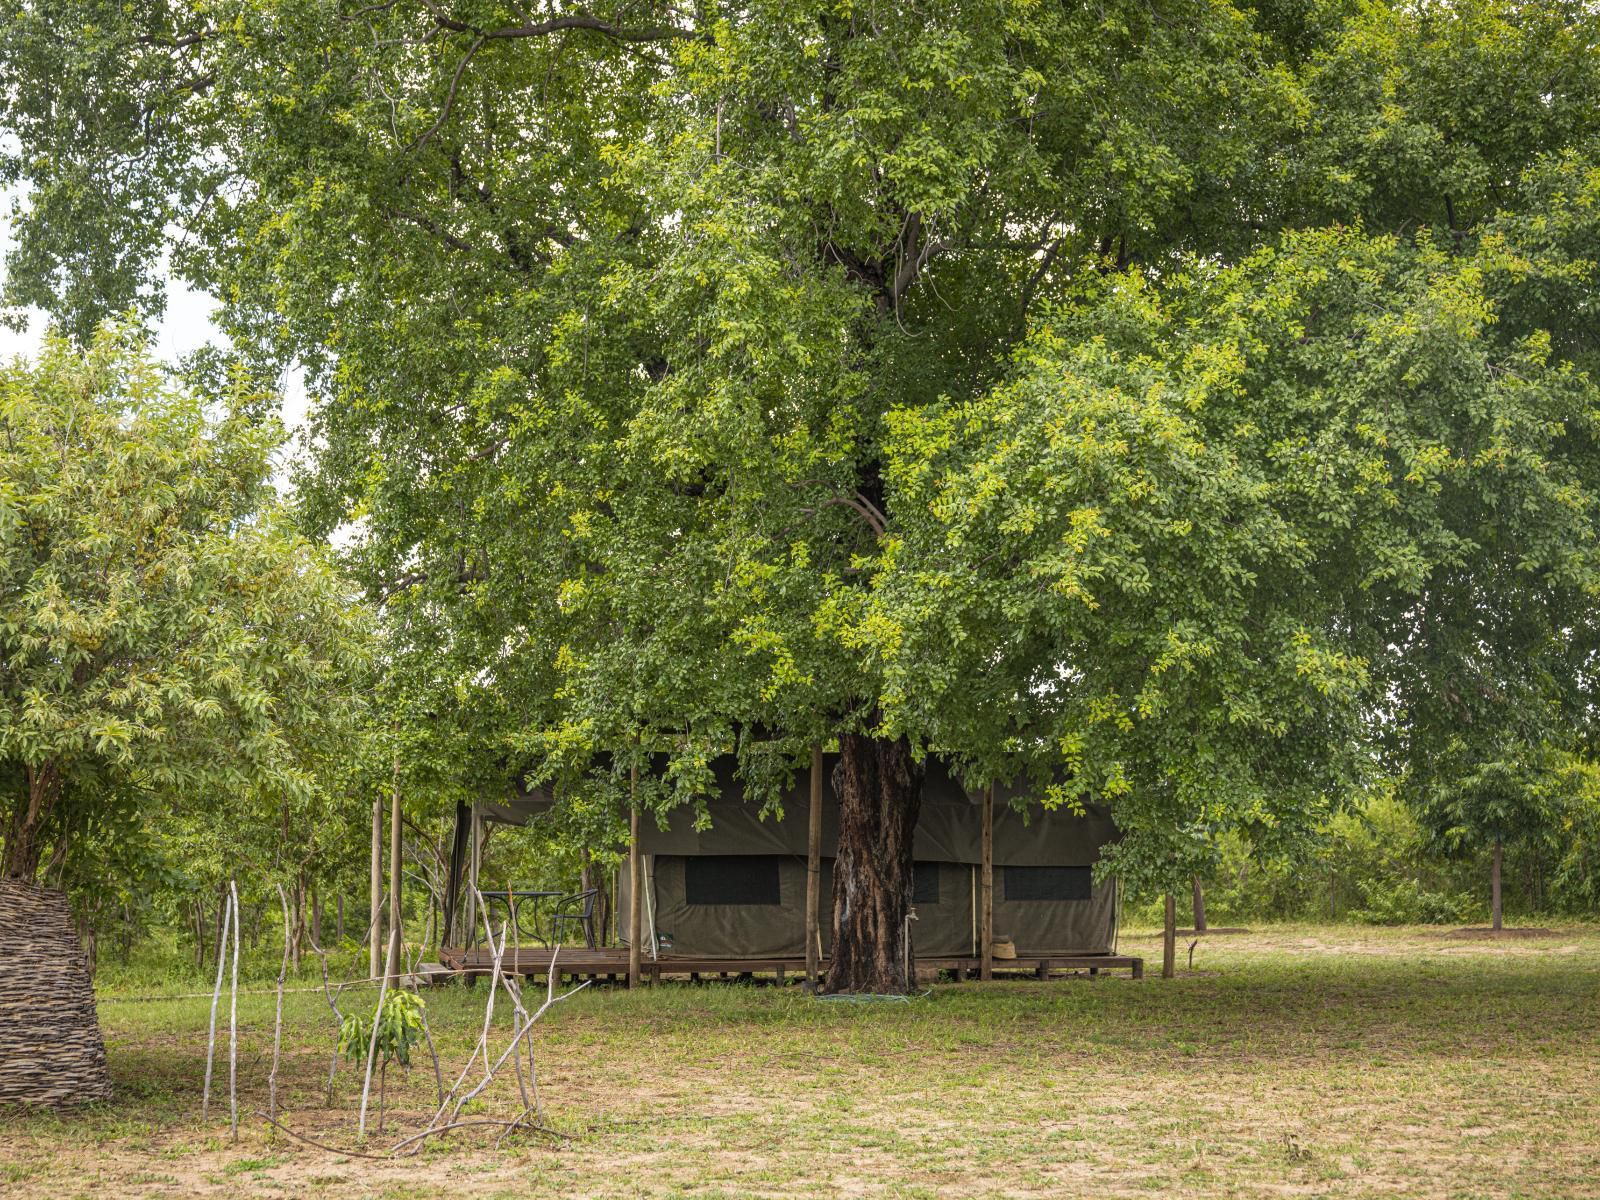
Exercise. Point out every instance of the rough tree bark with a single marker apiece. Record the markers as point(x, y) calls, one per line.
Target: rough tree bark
point(879, 786)
point(1495, 910)
point(30, 811)
point(1199, 905)
point(1169, 939)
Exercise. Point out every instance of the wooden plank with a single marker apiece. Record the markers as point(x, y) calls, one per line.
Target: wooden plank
point(608, 961)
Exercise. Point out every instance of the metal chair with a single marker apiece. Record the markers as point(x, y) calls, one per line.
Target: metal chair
point(576, 909)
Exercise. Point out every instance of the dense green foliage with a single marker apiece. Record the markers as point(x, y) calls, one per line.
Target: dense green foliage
point(183, 669)
point(1186, 402)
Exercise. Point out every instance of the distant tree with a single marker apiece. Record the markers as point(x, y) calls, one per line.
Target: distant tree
point(1501, 803)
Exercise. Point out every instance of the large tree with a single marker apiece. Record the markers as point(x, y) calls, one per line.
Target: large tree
point(631, 320)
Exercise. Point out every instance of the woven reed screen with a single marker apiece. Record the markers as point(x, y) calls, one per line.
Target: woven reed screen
point(51, 1052)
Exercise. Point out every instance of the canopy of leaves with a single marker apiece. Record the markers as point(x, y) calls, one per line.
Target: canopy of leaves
point(169, 641)
point(1172, 390)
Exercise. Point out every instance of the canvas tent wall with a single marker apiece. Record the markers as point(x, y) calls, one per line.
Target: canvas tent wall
point(736, 888)
point(722, 880)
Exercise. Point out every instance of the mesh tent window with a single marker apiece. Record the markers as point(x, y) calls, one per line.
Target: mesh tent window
point(1048, 883)
point(924, 883)
point(731, 879)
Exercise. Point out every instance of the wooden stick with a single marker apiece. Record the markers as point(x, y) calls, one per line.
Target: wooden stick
point(233, 1024)
point(338, 1017)
point(320, 1145)
point(483, 1039)
point(216, 995)
point(516, 1001)
point(277, 1024)
point(427, 1031)
point(372, 1050)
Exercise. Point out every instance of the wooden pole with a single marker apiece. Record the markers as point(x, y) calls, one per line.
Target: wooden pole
point(814, 871)
point(233, 1023)
point(1169, 939)
point(211, 1046)
point(474, 865)
point(392, 968)
point(1495, 909)
point(375, 919)
point(986, 891)
point(635, 878)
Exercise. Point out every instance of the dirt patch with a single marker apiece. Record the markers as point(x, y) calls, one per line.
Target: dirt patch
point(1482, 933)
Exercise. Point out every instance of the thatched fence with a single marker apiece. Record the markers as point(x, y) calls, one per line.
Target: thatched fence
point(51, 1052)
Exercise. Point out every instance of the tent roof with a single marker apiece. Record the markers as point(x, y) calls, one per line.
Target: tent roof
point(949, 829)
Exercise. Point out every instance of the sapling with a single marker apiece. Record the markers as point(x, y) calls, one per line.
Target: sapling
point(400, 1026)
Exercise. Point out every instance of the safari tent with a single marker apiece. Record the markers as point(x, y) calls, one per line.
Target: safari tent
point(736, 889)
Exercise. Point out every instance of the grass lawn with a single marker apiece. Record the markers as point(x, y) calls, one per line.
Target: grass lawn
point(1293, 1061)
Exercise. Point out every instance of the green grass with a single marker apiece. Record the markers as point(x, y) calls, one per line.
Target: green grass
point(1299, 1061)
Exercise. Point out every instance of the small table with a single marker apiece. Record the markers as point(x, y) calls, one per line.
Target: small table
point(513, 900)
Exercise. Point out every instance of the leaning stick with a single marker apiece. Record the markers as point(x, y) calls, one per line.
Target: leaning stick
point(513, 1047)
point(233, 1023)
point(517, 1012)
point(372, 1045)
point(483, 1037)
point(434, 1127)
point(338, 1017)
point(427, 1030)
point(277, 1024)
point(321, 1145)
point(216, 995)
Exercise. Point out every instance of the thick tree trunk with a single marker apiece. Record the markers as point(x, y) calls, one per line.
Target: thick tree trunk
point(221, 927)
point(297, 925)
point(396, 951)
point(1495, 910)
point(198, 912)
point(1169, 939)
point(1199, 906)
point(375, 907)
point(880, 795)
point(25, 831)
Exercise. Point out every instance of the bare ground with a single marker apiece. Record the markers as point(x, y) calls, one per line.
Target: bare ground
point(1291, 1062)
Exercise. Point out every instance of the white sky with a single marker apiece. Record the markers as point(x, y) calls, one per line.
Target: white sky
point(186, 327)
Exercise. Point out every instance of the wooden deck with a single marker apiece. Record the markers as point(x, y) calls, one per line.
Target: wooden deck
point(611, 962)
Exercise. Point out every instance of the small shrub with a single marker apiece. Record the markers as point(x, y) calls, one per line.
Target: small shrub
point(1407, 902)
point(399, 1028)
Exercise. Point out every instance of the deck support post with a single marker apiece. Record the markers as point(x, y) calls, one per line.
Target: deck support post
point(813, 871)
point(474, 864)
point(635, 877)
point(986, 890)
